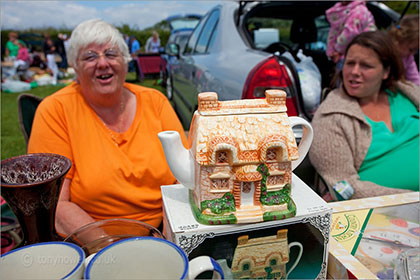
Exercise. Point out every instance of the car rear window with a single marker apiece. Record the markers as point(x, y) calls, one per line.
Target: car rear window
point(265, 31)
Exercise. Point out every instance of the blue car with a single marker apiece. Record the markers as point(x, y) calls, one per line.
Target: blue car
point(181, 27)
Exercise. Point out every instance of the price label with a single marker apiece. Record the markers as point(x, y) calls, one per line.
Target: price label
point(188, 227)
point(316, 209)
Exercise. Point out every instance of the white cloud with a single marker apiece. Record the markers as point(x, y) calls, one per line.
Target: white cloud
point(137, 14)
point(27, 14)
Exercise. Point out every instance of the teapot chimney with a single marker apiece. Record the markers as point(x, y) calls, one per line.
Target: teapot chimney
point(208, 101)
point(276, 97)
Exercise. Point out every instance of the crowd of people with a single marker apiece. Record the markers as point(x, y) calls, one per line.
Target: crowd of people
point(152, 45)
point(24, 64)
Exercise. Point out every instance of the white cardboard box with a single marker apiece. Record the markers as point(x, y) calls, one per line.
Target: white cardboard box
point(310, 227)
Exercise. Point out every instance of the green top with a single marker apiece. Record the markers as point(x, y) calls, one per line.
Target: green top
point(13, 49)
point(393, 157)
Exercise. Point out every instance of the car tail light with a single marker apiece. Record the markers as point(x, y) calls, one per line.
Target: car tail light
point(270, 74)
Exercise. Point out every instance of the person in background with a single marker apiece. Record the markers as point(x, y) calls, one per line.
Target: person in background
point(153, 43)
point(406, 35)
point(134, 47)
point(127, 39)
point(61, 51)
point(347, 19)
point(50, 52)
point(366, 132)
point(66, 44)
point(12, 47)
point(37, 61)
point(108, 129)
point(23, 62)
point(23, 55)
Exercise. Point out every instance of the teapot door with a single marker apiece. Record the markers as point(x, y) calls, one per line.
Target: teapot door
point(247, 193)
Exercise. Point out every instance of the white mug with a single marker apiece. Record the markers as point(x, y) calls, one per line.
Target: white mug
point(47, 260)
point(147, 258)
point(305, 142)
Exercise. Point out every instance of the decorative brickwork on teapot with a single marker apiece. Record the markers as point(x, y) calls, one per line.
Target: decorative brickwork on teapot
point(229, 140)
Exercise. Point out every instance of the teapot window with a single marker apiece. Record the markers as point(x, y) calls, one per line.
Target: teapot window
point(222, 157)
point(272, 154)
point(220, 184)
point(273, 262)
point(245, 267)
point(275, 180)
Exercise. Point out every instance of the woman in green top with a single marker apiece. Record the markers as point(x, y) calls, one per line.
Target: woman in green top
point(367, 131)
point(12, 46)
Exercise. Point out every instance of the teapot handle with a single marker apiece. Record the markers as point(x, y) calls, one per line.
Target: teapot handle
point(305, 142)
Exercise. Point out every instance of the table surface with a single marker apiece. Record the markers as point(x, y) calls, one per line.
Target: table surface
point(7, 64)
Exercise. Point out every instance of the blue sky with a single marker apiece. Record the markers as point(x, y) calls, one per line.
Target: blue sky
point(26, 14)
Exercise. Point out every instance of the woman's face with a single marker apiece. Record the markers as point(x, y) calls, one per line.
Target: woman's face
point(363, 72)
point(407, 48)
point(101, 70)
point(12, 36)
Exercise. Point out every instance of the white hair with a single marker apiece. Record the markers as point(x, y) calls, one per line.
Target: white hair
point(95, 31)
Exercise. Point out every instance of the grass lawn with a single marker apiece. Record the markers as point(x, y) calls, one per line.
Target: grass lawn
point(12, 141)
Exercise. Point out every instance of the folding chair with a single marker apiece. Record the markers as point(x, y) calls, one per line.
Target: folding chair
point(27, 104)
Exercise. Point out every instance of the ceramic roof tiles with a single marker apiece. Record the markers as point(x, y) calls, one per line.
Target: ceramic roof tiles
point(245, 127)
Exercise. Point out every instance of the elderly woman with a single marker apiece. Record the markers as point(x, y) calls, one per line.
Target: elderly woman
point(367, 131)
point(108, 128)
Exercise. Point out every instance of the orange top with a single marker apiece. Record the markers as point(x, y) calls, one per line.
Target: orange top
point(109, 181)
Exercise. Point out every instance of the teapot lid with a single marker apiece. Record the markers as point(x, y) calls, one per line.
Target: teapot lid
point(209, 105)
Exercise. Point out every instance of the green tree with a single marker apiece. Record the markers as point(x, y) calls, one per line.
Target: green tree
point(399, 6)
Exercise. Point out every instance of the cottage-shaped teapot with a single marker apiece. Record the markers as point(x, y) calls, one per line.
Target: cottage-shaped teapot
point(239, 166)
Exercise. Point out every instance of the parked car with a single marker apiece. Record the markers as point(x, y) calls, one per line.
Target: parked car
point(181, 27)
point(236, 50)
point(179, 39)
point(33, 41)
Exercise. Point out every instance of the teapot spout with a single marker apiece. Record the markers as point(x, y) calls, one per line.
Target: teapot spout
point(179, 159)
